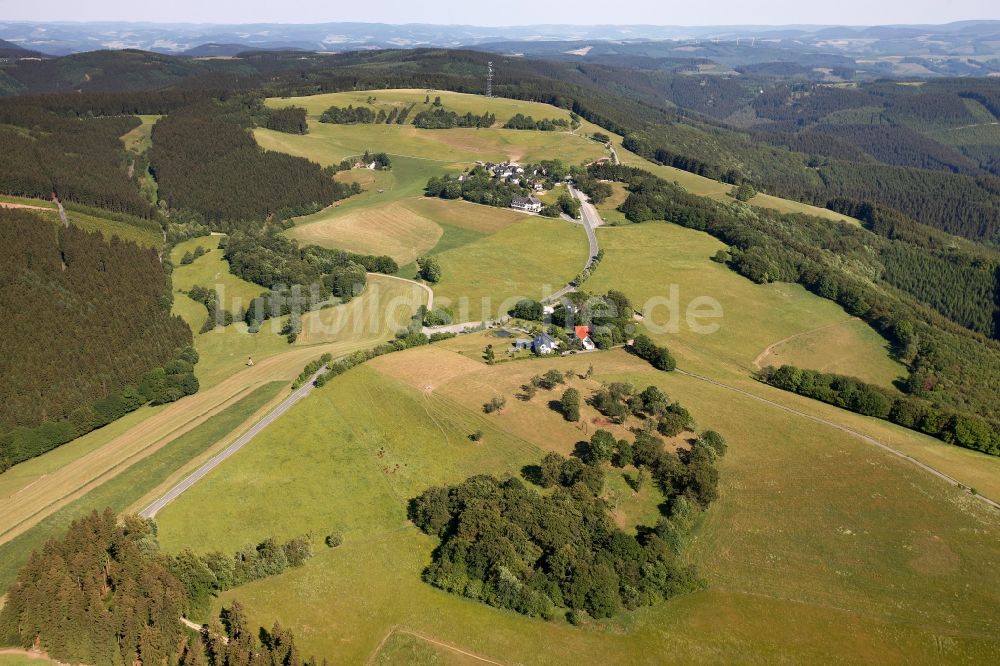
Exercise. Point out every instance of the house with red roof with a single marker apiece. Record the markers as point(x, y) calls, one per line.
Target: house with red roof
point(582, 333)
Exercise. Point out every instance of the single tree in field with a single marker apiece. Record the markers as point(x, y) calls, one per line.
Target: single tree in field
point(744, 192)
point(488, 354)
point(570, 404)
point(429, 269)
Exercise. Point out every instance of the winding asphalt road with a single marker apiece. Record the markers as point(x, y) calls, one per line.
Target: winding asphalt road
point(244, 439)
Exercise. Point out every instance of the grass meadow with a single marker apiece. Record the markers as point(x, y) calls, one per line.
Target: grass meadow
point(515, 262)
point(129, 487)
point(211, 270)
point(139, 139)
point(820, 547)
point(847, 348)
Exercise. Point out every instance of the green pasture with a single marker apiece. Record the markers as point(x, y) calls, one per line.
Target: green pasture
point(124, 489)
point(520, 261)
point(820, 548)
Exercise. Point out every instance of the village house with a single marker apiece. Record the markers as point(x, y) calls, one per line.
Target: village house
point(582, 333)
point(527, 204)
point(544, 344)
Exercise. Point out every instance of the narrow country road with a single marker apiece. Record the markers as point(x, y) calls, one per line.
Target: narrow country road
point(430, 292)
point(850, 431)
point(286, 404)
point(590, 220)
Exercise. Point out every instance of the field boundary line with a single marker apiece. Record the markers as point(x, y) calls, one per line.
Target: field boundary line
point(399, 629)
point(770, 347)
point(120, 466)
point(854, 433)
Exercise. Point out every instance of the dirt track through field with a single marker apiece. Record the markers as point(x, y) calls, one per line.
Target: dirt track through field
point(850, 431)
point(770, 348)
point(30, 654)
point(424, 637)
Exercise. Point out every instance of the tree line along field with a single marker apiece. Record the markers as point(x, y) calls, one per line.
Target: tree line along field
point(225, 350)
point(460, 103)
point(127, 490)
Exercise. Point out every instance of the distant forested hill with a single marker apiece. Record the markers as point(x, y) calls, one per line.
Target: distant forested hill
point(84, 321)
point(930, 151)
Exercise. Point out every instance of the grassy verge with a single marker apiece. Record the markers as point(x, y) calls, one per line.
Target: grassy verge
point(132, 484)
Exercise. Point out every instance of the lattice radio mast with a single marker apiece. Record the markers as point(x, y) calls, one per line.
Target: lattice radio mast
point(489, 79)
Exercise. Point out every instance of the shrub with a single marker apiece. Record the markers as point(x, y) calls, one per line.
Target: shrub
point(495, 405)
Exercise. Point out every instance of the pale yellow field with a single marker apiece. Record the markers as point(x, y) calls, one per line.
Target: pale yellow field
point(329, 143)
point(384, 308)
point(402, 229)
point(465, 215)
point(460, 103)
point(393, 229)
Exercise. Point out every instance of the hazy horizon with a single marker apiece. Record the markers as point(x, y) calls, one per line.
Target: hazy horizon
point(584, 13)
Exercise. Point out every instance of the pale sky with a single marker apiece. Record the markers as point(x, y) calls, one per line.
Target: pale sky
point(508, 12)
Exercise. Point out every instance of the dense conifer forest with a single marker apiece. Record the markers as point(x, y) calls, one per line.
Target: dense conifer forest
point(105, 595)
point(207, 162)
point(98, 324)
point(75, 159)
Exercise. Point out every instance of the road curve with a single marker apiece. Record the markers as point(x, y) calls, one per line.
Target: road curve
point(850, 431)
point(430, 292)
point(244, 439)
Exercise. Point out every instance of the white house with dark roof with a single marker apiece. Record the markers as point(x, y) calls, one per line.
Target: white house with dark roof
point(544, 344)
point(527, 204)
